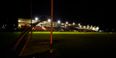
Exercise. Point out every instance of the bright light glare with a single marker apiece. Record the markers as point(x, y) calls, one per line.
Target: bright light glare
point(84, 27)
point(62, 23)
point(66, 22)
point(73, 23)
point(19, 20)
point(69, 24)
point(44, 22)
point(19, 25)
point(93, 28)
point(58, 21)
point(33, 21)
point(97, 29)
point(87, 26)
point(49, 20)
point(79, 24)
point(36, 18)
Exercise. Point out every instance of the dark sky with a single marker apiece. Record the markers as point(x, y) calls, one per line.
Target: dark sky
point(94, 12)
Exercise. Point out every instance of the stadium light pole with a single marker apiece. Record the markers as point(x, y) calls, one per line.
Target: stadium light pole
point(51, 32)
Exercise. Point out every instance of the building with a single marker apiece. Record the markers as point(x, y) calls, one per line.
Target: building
point(23, 22)
point(46, 25)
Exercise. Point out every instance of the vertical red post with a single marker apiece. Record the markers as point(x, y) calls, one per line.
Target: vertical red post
point(51, 32)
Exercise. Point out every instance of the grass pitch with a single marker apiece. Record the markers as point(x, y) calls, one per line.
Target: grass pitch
point(66, 44)
point(73, 43)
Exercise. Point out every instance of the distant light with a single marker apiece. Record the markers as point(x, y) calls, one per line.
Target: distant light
point(100, 31)
point(19, 26)
point(34, 21)
point(36, 18)
point(44, 22)
point(49, 20)
point(79, 24)
point(91, 27)
point(62, 23)
point(88, 26)
point(19, 20)
point(69, 24)
point(97, 29)
point(66, 22)
point(58, 21)
point(73, 23)
point(84, 27)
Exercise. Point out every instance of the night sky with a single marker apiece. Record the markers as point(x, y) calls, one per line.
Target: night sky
point(95, 12)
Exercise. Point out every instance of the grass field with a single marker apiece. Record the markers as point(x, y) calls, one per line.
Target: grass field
point(67, 44)
point(7, 40)
point(73, 43)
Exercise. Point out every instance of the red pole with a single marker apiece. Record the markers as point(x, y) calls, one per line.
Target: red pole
point(51, 32)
